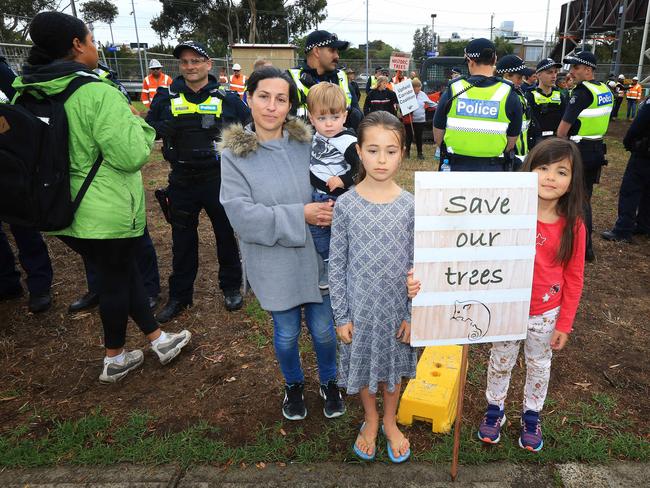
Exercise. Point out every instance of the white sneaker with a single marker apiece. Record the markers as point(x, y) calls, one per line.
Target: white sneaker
point(171, 347)
point(114, 372)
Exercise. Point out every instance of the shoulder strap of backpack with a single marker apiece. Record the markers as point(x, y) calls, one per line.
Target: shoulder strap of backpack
point(76, 83)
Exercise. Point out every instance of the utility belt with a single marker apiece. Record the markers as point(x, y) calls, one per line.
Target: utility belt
point(186, 175)
point(506, 164)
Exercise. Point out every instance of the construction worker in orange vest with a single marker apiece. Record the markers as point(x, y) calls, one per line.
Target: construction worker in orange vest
point(223, 79)
point(156, 78)
point(237, 80)
point(634, 94)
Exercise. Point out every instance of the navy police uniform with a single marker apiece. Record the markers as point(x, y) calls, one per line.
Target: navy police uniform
point(546, 108)
point(190, 124)
point(32, 251)
point(634, 195)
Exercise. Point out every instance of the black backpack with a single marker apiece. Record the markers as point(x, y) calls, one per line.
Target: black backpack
point(35, 161)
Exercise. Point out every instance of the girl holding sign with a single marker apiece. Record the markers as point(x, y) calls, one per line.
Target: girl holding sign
point(557, 286)
point(371, 251)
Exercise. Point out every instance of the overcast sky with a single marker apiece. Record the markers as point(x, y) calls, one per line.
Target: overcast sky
point(393, 21)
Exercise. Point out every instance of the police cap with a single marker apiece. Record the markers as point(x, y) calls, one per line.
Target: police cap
point(197, 47)
point(477, 48)
point(321, 38)
point(456, 70)
point(547, 63)
point(583, 57)
point(512, 63)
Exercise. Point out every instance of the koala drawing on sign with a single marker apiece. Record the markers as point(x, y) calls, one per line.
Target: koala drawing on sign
point(476, 315)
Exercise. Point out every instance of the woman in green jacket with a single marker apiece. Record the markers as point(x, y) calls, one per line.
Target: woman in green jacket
point(111, 216)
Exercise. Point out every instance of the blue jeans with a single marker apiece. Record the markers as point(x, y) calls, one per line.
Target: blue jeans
point(286, 332)
point(631, 108)
point(321, 235)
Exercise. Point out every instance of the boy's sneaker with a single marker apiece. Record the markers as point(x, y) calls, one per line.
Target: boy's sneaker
point(114, 372)
point(490, 429)
point(334, 406)
point(324, 278)
point(293, 406)
point(531, 432)
point(171, 347)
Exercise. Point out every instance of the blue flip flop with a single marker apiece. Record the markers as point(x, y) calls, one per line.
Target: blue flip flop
point(360, 454)
point(391, 456)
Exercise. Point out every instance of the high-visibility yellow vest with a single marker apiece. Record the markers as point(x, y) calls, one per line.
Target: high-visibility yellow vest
point(303, 90)
point(477, 123)
point(521, 146)
point(181, 106)
point(594, 120)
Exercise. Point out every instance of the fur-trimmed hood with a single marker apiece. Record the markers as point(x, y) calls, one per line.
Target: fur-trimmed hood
point(242, 141)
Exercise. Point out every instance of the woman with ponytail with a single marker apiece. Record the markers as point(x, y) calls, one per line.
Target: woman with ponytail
point(111, 216)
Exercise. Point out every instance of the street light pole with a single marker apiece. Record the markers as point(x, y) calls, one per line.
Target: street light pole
point(367, 59)
point(584, 25)
point(433, 33)
point(137, 39)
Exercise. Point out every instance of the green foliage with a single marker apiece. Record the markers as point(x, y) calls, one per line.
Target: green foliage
point(99, 11)
point(605, 50)
point(453, 48)
point(503, 47)
point(421, 43)
point(14, 29)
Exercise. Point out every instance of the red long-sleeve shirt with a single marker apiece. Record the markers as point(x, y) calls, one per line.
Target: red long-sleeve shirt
point(555, 285)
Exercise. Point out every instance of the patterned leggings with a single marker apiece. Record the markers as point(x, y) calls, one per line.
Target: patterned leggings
point(538, 353)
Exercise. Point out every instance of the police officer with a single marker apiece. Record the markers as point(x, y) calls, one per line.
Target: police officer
point(547, 105)
point(190, 117)
point(32, 251)
point(371, 84)
point(513, 69)
point(479, 117)
point(585, 121)
point(322, 57)
point(145, 252)
point(633, 216)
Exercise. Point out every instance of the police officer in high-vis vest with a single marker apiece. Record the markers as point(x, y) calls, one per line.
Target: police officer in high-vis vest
point(189, 117)
point(513, 69)
point(585, 121)
point(322, 57)
point(478, 119)
point(547, 105)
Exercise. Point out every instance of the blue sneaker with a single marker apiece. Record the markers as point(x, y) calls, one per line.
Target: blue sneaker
point(490, 429)
point(531, 432)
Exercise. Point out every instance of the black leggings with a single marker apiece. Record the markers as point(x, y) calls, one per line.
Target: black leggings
point(418, 127)
point(121, 291)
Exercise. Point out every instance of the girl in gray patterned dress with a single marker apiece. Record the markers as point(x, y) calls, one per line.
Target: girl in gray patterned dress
point(371, 252)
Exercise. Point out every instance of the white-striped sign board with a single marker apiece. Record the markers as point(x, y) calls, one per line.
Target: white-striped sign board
point(474, 254)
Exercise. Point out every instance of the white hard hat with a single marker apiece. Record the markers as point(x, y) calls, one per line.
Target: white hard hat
point(236, 67)
point(621, 77)
point(154, 63)
point(635, 78)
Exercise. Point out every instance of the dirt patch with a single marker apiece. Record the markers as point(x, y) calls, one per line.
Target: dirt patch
point(229, 377)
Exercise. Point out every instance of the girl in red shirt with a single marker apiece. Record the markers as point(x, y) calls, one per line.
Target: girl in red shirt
point(557, 286)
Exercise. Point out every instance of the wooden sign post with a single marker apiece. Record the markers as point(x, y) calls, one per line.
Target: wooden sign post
point(474, 255)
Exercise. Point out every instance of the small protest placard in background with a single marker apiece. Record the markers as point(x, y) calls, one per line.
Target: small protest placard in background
point(405, 96)
point(475, 236)
point(400, 61)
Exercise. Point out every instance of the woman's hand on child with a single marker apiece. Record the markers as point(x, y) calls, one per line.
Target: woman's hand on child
point(404, 332)
point(335, 182)
point(344, 332)
point(319, 213)
point(559, 340)
point(412, 285)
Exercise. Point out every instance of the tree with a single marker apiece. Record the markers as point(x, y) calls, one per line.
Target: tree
point(421, 43)
point(16, 15)
point(503, 47)
point(221, 22)
point(99, 11)
point(453, 48)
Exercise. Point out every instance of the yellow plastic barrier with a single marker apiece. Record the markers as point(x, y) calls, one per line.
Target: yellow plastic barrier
point(432, 396)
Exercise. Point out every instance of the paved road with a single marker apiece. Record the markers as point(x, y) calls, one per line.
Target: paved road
point(333, 475)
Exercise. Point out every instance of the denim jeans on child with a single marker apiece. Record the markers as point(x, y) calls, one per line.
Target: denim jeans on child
point(286, 333)
point(321, 235)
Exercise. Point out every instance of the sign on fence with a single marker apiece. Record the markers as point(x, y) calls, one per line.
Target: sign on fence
point(405, 96)
point(474, 253)
point(400, 61)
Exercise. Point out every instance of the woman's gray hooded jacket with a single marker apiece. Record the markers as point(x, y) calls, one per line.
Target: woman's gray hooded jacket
point(264, 188)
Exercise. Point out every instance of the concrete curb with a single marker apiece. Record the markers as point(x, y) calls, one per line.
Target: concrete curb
point(570, 475)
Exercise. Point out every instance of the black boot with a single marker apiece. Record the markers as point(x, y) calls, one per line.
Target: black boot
point(39, 303)
point(233, 300)
point(172, 309)
point(88, 301)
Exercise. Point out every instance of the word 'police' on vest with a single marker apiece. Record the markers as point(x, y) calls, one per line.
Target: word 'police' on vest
point(470, 107)
point(605, 98)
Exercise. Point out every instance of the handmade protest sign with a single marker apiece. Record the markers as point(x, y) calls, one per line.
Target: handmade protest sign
point(474, 253)
point(400, 61)
point(405, 96)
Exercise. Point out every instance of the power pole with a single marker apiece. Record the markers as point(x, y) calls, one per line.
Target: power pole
point(566, 27)
point(620, 33)
point(491, 25)
point(433, 33)
point(367, 58)
point(584, 25)
point(548, 7)
point(74, 8)
point(137, 39)
point(643, 42)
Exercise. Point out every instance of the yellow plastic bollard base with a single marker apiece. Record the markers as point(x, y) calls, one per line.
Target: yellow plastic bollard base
point(433, 395)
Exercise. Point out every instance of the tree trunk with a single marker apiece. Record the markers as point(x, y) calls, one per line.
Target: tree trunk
point(252, 31)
